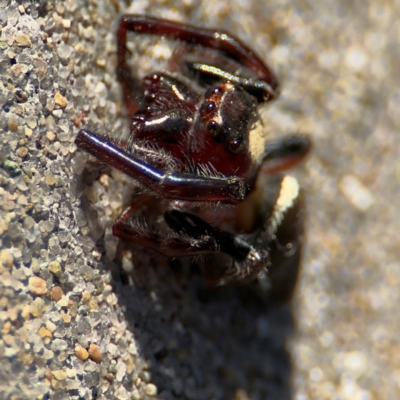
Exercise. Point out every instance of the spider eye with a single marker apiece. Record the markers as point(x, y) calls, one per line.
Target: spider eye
point(237, 144)
point(213, 90)
point(206, 108)
point(216, 131)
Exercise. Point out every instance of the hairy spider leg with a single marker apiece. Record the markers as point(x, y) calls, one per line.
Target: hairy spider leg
point(286, 251)
point(171, 185)
point(231, 46)
point(196, 227)
point(267, 249)
point(247, 261)
point(169, 243)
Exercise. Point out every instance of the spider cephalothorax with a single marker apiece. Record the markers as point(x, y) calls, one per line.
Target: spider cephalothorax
point(208, 171)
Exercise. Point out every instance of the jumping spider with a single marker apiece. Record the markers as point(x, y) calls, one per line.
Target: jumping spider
point(196, 145)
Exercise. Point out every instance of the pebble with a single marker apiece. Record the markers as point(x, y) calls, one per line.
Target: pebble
point(132, 348)
point(57, 293)
point(151, 390)
point(8, 340)
point(31, 121)
point(86, 296)
point(121, 371)
point(93, 304)
point(64, 51)
point(22, 152)
point(37, 286)
point(6, 328)
point(22, 200)
point(12, 168)
point(87, 273)
point(55, 268)
point(63, 302)
point(57, 385)
point(35, 266)
point(28, 222)
point(66, 317)
point(59, 345)
point(6, 258)
point(71, 372)
point(10, 352)
point(48, 354)
point(60, 375)
point(136, 394)
point(37, 307)
point(43, 332)
point(28, 132)
point(50, 178)
point(81, 352)
point(66, 23)
point(26, 311)
point(95, 353)
point(48, 374)
point(60, 100)
point(112, 299)
point(23, 40)
point(112, 349)
point(50, 326)
point(50, 135)
point(41, 68)
point(12, 125)
point(357, 194)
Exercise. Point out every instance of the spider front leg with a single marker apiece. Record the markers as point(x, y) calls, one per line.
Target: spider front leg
point(170, 185)
point(131, 228)
point(208, 38)
point(286, 251)
point(285, 153)
point(244, 261)
point(274, 251)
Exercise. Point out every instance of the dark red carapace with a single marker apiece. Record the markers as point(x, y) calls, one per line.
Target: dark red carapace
point(196, 144)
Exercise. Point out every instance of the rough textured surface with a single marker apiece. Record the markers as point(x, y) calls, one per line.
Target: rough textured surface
point(81, 317)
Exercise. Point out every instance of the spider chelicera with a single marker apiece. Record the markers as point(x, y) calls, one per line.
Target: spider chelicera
point(213, 181)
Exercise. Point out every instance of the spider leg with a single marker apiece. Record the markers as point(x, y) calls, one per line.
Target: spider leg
point(285, 153)
point(196, 227)
point(167, 243)
point(228, 44)
point(171, 185)
point(286, 252)
point(244, 262)
point(131, 85)
point(260, 89)
point(275, 251)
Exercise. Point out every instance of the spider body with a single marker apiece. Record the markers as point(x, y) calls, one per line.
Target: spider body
point(212, 181)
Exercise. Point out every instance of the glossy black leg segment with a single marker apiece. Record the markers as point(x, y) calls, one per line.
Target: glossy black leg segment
point(258, 88)
point(285, 153)
point(244, 262)
point(182, 186)
point(228, 44)
point(196, 227)
point(129, 229)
